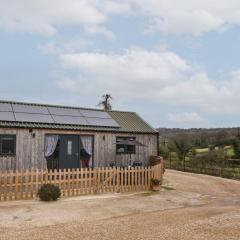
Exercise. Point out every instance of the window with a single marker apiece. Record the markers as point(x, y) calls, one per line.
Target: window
point(69, 147)
point(125, 148)
point(8, 145)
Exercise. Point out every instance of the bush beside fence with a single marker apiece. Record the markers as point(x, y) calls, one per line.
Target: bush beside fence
point(25, 184)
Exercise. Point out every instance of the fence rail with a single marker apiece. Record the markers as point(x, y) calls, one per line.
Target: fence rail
point(25, 184)
point(233, 173)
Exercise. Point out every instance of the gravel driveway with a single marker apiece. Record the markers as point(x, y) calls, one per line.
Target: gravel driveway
point(190, 206)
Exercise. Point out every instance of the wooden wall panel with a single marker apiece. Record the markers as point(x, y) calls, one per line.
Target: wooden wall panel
point(30, 150)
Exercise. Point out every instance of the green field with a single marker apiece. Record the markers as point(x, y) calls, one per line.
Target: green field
point(229, 152)
point(201, 150)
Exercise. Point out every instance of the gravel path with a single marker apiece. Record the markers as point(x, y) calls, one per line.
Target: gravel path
point(190, 206)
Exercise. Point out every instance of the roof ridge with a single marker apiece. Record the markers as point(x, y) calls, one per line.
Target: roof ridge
point(61, 106)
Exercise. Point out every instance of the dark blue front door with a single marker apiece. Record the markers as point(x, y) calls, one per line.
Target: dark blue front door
point(69, 152)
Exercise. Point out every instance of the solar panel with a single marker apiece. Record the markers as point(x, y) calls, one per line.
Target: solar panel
point(59, 115)
point(5, 107)
point(96, 114)
point(69, 120)
point(104, 122)
point(33, 117)
point(64, 111)
point(21, 108)
point(7, 116)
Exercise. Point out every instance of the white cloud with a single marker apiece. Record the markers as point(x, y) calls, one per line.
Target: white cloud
point(45, 17)
point(168, 16)
point(188, 16)
point(42, 16)
point(134, 73)
point(185, 117)
point(95, 29)
point(117, 7)
point(72, 46)
point(156, 77)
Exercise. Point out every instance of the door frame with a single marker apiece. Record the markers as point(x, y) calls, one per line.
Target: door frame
point(78, 135)
point(75, 139)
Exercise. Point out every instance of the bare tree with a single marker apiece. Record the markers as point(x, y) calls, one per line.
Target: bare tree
point(105, 102)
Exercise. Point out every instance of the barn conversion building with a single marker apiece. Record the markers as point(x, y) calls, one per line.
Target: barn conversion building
point(40, 136)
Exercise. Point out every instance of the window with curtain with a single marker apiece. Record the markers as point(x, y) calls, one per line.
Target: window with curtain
point(51, 151)
point(86, 152)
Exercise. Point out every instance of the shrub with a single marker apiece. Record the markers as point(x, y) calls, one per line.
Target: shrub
point(49, 192)
point(155, 181)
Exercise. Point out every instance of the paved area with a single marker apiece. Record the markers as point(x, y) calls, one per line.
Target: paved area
point(190, 206)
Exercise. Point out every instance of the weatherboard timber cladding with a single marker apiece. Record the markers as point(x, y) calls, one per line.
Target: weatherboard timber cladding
point(30, 150)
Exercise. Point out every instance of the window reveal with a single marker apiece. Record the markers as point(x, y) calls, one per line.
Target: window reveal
point(125, 148)
point(7, 145)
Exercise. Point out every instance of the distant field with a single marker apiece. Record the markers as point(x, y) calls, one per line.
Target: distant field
point(228, 151)
point(202, 150)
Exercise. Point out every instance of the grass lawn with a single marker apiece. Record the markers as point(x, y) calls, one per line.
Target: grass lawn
point(202, 150)
point(229, 151)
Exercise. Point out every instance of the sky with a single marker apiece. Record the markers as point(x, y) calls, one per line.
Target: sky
point(176, 63)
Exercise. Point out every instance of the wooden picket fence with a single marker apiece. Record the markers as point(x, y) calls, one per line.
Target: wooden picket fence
point(16, 185)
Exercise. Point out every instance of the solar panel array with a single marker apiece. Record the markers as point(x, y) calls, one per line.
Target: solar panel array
point(55, 115)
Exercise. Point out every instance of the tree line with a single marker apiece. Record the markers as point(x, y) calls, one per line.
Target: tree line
point(181, 146)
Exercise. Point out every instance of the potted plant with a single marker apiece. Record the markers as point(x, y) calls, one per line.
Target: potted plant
point(156, 185)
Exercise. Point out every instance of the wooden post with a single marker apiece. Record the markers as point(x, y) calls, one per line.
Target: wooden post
point(10, 184)
point(85, 180)
point(26, 183)
point(110, 179)
point(150, 172)
point(46, 176)
point(21, 185)
point(118, 179)
point(125, 180)
point(129, 179)
point(16, 186)
point(103, 179)
point(50, 176)
point(0, 185)
point(73, 182)
point(94, 181)
point(81, 181)
point(99, 180)
point(114, 179)
point(121, 188)
point(32, 182)
point(5, 186)
point(89, 180)
point(77, 182)
point(55, 177)
point(37, 182)
point(139, 178)
point(68, 176)
point(64, 182)
point(136, 179)
point(132, 182)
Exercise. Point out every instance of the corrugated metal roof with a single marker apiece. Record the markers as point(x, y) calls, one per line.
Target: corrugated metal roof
point(128, 122)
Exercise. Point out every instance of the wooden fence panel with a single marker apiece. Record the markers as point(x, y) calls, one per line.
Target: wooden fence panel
point(75, 182)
